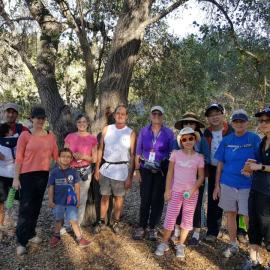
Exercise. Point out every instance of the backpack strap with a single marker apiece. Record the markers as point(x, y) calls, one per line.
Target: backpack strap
point(18, 128)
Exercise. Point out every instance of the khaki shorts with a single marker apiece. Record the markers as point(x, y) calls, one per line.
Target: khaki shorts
point(234, 200)
point(109, 186)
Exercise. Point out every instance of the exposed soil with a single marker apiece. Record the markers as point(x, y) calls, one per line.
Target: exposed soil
point(110, 251)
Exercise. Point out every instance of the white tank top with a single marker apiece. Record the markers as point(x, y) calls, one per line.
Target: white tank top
point(116, 149)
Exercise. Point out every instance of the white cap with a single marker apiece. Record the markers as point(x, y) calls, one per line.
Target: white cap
point(186, 131)
point(13, 106)
point(157, 108)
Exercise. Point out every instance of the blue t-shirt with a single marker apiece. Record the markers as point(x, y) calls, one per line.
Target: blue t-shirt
point(61, 180)
point(234, 151)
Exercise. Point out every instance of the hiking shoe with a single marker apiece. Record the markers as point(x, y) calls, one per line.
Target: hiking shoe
point(138, 234)
point(180, 251)
point(152, 235)
point(55, 240)
point(83, 243)
point(35, 240)
point(210, 238)
point(116, 227)
point(20, 250)
point(230, 251)
point(99, 226)
point(162, 247)
point(249, 265)
point(193, 241)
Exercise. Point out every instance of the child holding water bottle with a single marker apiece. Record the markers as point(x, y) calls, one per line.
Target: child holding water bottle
point(185, 176)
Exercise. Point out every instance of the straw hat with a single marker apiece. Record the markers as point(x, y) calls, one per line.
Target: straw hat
point(188, 116)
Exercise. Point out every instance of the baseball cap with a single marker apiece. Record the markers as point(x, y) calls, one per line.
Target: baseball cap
point(38, 112)
point(214, 106)
point(157, 108)
point(239, 115)
point(13, 106)
point(265, 111)
point(186, 131)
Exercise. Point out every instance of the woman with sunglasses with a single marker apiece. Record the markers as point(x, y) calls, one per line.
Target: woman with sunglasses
point(191, 120)
point(34, 153)
point(152, 153)
point(259, 196)
point(184, 178)
point(231, 186)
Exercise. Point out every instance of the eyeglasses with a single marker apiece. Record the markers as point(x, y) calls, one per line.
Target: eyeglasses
point(156, 113)
point(266, 121)
point(190, 139)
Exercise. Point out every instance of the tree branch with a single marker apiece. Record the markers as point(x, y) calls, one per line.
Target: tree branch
point(165, 12)
point(5, 16)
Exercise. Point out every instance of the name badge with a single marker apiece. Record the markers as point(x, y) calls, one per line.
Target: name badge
point(152, 156)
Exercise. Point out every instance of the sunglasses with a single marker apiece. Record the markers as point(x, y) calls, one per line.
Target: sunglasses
point(156, 113)
point(189, 123)
point(190, 139)
point(266, 121)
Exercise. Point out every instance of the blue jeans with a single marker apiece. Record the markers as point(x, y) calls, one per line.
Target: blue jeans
point(67, 212)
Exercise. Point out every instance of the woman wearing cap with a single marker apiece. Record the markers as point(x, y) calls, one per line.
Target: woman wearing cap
point(185, 176)
point(191, 120)
point(35, 151)
point(259, 197)
point(231, 186)
point(152, 153)
point(84, 148)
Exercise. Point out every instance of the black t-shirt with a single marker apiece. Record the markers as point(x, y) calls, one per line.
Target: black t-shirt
point(261, 179)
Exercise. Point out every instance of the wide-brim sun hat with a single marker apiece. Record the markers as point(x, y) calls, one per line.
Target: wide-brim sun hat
point(188, 117)
point(265, 111)
point(187, 131)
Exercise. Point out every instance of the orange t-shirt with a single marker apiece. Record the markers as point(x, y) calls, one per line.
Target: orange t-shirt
point(34, 153)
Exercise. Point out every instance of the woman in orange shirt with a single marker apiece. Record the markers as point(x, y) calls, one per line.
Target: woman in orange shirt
point(33, 157)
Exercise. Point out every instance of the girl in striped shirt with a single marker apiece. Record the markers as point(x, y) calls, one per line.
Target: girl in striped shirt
point(185, 176)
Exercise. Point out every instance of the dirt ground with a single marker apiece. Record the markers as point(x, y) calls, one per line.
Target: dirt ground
point(110, 251)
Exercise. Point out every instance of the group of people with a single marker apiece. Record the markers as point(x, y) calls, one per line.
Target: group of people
point(171, 168)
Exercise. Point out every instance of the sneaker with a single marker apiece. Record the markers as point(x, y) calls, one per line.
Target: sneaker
point(35, 240)
point(116, 227)
point(249, 265)
point(55, 240)
point(83, 243)
point(230, 251)
point(193, 241)
point(162, 247)
point(210, 238)
point(20, 250)
point(99, 226)
point(180, 251)
point(152, 235)
point(138, 234)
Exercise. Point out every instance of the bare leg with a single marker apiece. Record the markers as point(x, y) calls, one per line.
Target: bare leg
point(232, 226)
point(118, 206)
point(254, 252)
point(166, 235)
point(76, 229)
point(104, 204)
point(58, 226)
point(183, 235)
point(2, 213)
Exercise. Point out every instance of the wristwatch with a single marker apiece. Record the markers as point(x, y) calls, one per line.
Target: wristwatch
point(263, 168)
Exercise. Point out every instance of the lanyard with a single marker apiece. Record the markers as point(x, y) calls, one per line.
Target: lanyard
point(154, 139)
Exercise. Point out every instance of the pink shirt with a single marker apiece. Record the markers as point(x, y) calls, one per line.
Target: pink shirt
point(185, 169)
point(80, 144)
point(34, 153)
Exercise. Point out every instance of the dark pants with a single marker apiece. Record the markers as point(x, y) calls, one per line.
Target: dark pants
point(214, 212)
point(152, 190)
point(33, 186)
point(259, 218)
point(197, 221)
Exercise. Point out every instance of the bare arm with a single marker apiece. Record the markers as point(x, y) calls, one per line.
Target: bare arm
point(216, 193)
point(169, 178)
point(77, 191)
point(16, 181)
point(51, 196)
point(199, 181)
point(128, 182)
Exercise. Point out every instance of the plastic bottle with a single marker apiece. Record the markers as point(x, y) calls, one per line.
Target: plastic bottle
point(11, 197)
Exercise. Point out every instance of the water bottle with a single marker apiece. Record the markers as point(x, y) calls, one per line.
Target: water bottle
point(186, 195)
point(11, 197)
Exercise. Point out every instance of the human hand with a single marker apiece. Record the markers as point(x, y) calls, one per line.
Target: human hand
point(167, 195)
point(2, 157)
point(97, 174)
point(16, 183)
point(51, 204)
point(216, 193)
point(78, 155)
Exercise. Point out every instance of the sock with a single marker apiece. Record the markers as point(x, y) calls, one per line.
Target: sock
point(196, 235)
point(176, 231)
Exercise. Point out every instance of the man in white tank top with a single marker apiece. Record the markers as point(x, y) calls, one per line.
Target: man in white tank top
point(116, 152)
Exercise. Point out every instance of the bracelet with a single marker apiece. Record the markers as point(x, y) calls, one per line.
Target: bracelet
point(263, 168)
